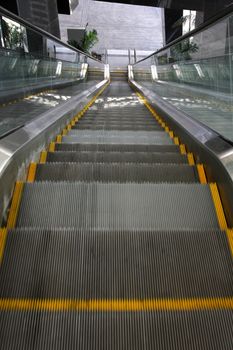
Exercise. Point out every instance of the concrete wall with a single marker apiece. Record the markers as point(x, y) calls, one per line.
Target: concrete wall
point(42, 13)
point(119, 26)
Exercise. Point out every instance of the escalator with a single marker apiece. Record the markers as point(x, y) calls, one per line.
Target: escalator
point(116, 240)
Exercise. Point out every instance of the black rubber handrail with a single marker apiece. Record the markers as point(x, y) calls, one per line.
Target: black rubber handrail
point(220, 15)
point(22, 21)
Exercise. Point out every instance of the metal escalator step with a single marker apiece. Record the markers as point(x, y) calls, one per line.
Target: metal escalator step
point(115, 172)
point(81, 264)
point(116, 133)
point(116, 157)
point(120, 139)
point(176, 330)
point(85, 147)
point(118, 118)
point(117, 206)
point(117, 127)
point(109, 121)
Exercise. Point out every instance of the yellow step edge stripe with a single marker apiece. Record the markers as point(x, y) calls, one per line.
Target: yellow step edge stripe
point(176, 141)
point(218, 206)
point(183, 149)
point(15, 205)
point(31, 172)
point(171, 134)
point(191, 160)
point(59, 139)
point(3, 237)
point(201, 173)
point(43, 157)
point(229, 233)
point(64, 132)
point(117, 305)
point(52, 147)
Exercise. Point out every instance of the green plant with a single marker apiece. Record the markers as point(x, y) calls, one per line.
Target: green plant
point(183, 49)
point(89, 40)
point(183, 20)
point(13, 35)
point(75, 44)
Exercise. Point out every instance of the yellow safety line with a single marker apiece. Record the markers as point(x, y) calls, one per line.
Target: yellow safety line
point(183, 149)
point(31, 172)
point(218, 206)
point(3, 237)
point(191, 159)
point(52, 147)
point(59, 139)
point(176, 141)
point(201, 173)
point(15, 205)
point(43, 157)
point(117, 305)
point(229, 233)
point(171, 134)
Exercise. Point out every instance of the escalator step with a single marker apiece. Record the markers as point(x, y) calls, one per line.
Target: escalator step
point(107, 121)
point(177, 330)
point(163, 139)
point(117, 127)
point(85, 147)
point(117, 157)
point(117, 206)
point(116, 133)
point(81, 264)
point(115, 172)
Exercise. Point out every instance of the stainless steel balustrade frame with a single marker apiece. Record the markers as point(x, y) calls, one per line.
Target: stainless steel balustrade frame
point(208, 146)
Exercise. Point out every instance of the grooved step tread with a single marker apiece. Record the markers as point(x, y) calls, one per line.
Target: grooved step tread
point(117, 206)
point(193, 330)
point(85, 147)
point(119, 139)
point(116, 264)
point(119, 127)
point(116, 172)
point(116, 133)
point(119, 157)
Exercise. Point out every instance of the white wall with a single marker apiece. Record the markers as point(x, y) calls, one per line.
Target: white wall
point(119, 26)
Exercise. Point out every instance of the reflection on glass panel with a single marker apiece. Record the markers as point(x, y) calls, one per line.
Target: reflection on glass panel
point(196, 75)
point(29, 59)
point(37, 72)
